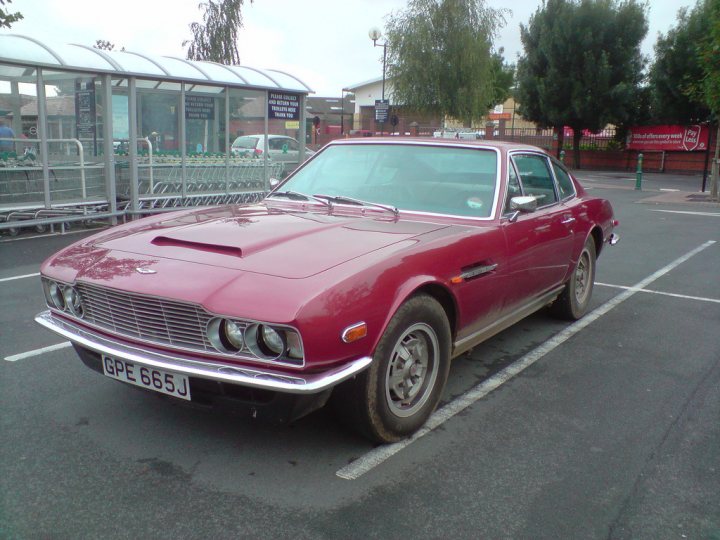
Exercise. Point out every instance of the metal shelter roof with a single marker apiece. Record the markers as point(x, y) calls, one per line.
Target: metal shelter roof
point(30, 51)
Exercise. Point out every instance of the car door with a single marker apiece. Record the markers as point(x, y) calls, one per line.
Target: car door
point(539, 243)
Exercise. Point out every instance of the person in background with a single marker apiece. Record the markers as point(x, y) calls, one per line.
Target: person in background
point(6, 132)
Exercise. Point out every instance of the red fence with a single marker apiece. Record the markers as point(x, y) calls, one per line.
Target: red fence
point(597, 151)
point(626, 160)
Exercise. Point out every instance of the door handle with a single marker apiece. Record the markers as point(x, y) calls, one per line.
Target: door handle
point(567, 219)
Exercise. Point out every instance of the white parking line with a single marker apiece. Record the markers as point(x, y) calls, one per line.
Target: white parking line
point(36, 274)
point(378, 455)
point(34, 236)
point(714, 214)
point(37, 352)
point(685, 296)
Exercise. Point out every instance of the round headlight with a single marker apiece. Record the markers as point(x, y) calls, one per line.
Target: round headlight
point(56, 295)
point(272, 340)
point(234, 334)
point(73, 301)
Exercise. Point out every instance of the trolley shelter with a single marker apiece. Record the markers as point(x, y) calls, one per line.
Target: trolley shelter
point(100, 134)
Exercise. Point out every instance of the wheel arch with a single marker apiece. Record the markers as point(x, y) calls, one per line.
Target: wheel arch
point(432, 288)
point(597, 235)
point(446, 299)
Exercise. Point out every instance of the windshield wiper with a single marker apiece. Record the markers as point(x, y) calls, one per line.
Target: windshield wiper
point(341, 199)
point(297, 196)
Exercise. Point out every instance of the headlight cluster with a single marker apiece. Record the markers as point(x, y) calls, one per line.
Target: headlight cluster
point(261, 340)
point(63, 297)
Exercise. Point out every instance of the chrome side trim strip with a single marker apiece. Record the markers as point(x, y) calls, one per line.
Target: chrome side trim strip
point(243, 376)
point(468, 342)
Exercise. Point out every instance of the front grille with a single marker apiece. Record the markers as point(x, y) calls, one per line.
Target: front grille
point(167, 322)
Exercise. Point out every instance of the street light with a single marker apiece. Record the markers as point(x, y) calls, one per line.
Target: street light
point(376, 34)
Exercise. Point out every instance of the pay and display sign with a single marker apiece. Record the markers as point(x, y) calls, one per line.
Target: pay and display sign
point(382, 110)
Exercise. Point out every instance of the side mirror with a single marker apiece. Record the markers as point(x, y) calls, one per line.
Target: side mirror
point(526, 203)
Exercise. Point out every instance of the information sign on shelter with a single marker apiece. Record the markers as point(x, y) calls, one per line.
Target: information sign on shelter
point(382, 110)
point(85, 108)
point(199, 107)
point(669, 138)
point(283, 106)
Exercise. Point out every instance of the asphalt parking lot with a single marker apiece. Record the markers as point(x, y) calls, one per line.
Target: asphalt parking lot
point(608, 428)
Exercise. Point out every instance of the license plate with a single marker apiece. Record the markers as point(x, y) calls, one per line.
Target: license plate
point(158, 380)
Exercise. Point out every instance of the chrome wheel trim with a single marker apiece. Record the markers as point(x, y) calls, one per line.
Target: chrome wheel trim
point(583, 275)
point(412, 370)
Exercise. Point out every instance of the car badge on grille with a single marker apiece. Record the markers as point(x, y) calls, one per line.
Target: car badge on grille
point(145, 270)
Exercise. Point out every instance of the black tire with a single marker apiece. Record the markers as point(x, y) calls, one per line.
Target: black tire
point(574, 301)
point(395, 396)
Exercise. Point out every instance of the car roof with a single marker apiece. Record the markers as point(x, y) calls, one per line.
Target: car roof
point(505, 146)
point(270, 136)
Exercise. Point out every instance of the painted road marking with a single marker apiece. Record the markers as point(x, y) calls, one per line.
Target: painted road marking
point(715, 214)
point(33, 237)
point(378, 455)
point(685, 296)
point(37, 352)
point(36, 274)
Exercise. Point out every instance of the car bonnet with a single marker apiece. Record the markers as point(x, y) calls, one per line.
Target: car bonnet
point(267, 241)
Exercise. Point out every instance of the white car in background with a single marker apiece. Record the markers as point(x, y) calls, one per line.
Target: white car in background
point(280, 147)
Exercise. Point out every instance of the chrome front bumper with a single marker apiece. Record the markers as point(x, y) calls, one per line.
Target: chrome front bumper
point(206, 369)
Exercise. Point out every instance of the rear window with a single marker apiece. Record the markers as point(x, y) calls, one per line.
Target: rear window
point(245, 142)
point(565, 184)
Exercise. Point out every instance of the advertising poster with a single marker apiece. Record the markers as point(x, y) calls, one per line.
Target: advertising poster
point(669, 138)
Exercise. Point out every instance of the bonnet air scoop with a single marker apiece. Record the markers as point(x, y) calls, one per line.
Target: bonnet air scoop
point(198, 246)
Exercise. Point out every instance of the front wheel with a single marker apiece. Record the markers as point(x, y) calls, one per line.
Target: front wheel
point(395, 396)
point(574, 301)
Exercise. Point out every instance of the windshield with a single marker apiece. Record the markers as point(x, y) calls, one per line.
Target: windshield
point(421, 178)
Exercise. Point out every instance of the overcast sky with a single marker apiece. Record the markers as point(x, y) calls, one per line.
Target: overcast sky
point(323, 42)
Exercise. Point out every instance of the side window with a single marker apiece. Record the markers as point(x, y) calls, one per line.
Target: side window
point(565, 184)
point(536, 178)
point(276, 144)
point(514, 189)
point(293, 145)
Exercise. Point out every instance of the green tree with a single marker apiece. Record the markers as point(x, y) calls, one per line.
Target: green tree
point(581, 65)
point(216, 38)
point(7, 18)
point(503, 78)
point(440, 57)
point(677, 70)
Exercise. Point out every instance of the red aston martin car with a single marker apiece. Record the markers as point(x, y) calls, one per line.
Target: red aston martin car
point(362, 275)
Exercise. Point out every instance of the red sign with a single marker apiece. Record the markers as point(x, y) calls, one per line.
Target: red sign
point(676, 138)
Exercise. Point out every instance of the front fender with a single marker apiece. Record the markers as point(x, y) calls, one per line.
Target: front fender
point(407, 290)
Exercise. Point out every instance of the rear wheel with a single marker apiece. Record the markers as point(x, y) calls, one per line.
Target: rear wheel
point(395, 396)
point(574, 301)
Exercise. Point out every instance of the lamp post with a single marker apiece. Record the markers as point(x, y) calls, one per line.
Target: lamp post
point(376, 34)
point(342, 111)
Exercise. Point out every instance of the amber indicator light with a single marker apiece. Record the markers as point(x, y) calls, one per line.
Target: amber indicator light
point(355, 332)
